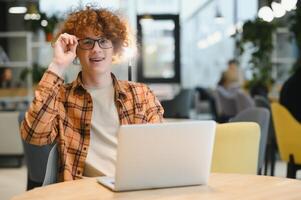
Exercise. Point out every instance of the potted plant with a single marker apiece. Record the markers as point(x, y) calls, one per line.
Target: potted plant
point(295, 27)
point(259, 33)
point(48, 24)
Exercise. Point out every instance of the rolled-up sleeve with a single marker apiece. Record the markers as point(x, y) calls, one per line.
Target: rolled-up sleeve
point(39, 126)
point(154, 110)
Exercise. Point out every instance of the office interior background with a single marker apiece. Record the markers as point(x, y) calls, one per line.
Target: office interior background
point(177, 46)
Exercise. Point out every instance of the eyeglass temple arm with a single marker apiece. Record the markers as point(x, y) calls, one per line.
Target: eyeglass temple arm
point(129, 72)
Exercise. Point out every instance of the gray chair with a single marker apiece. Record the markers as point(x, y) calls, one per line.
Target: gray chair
point(271, 149)
point(262, 117)
point(36, 160)
point(231, 101)
point(52, 167)
point(207, 96)
point(180, 106)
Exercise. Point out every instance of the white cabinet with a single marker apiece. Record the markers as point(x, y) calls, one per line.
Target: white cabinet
point(18, 47)
point(10, 143)
point(24, 49)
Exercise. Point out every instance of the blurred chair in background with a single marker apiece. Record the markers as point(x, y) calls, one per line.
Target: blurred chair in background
point(180, 106)
point(206, 97)
point(231, 101)
point(11, 152)
point(271, 149)
point(262, 117)
point(36, 161)
point(288, 135)
point(236, 148)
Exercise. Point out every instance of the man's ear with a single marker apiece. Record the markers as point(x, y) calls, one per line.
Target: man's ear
point(76, 61)
point(115, 59)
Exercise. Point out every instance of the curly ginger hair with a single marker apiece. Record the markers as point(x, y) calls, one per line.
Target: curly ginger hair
point(102, 22)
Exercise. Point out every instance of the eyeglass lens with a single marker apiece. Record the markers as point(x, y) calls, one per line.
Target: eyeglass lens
point(88, 43)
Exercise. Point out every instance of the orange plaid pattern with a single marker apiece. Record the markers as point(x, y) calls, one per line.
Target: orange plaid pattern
point(62, 113)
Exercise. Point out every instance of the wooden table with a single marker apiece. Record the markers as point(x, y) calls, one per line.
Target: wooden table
point(221, 186)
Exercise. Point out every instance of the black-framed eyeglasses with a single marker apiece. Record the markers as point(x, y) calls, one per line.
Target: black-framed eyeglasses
point(88, 43)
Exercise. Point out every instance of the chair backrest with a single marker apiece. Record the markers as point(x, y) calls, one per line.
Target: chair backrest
point(288, 133)
point(236, 148)
point(52, 167)
point(180, 106)
point(231, 101)
point(263, 102)
point(262, 117)
point(36, 160)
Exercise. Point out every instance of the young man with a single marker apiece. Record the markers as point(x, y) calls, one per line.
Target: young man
point(83, 117)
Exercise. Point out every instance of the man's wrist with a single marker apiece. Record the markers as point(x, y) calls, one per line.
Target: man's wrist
point(56, 69)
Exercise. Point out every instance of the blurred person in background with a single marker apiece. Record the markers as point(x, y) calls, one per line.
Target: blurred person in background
point(234, 74)
point(6, 76)
point(290, 95)
point(83, 117)
point(230, 97)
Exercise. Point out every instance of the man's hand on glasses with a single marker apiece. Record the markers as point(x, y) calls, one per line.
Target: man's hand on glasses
point(64, 52)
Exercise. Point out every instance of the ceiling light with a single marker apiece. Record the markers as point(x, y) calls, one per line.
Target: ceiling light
point(289, 5)
point(218, 17)
point(266, 14)
point(278, 10)
point(17, 10)
point(231, 30)
point(44, 23)
point(203, 44)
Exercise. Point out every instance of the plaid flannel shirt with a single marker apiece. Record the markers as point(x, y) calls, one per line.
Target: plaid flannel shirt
point(62, 113)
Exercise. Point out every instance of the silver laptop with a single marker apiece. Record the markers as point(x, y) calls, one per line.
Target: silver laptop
point(162, 155)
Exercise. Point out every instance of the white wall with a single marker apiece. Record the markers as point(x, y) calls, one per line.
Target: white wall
point(203, 66)
point(199, 67)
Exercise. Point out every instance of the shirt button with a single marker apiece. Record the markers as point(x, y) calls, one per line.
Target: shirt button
point(78, 172)
point(87, 125)
point(89, 101)
point(85, 148)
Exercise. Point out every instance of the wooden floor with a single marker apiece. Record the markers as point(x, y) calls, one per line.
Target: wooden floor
point(13, 180)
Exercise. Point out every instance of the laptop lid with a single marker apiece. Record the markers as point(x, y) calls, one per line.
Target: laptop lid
point(164, 155)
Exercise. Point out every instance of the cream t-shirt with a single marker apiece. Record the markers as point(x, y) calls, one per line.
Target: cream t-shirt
point(101, 158)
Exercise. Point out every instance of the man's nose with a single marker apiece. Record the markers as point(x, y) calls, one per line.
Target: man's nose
point(97, 47)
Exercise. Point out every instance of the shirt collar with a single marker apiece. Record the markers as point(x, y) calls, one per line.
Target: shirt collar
point(79, 89)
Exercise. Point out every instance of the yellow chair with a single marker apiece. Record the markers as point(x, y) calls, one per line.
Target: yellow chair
point(236, 148)
point(288, 136)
